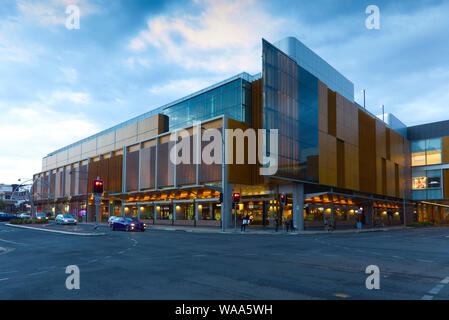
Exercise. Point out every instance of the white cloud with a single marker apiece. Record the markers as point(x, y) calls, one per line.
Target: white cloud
point(224, 37)
point(30, 132)
point(52, 12)
point(75, 97)
point(179, 88)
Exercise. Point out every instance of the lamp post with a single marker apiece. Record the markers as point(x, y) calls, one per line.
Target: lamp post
point(364, 98)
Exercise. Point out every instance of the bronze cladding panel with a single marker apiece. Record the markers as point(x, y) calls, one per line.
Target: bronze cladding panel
point(256, 103)
point(367, 153)
point(446, 183)
point(390, 178)
point(341, 164)
point(322, 107)
point(445, 156)
point(332, 112)
point(132, 171)
point(351, 159)
point(327, 159)
point(114, 174)
point(381, 140)
point(147, 167)
point(186, 172)
point(165, 167)
point(387, 143)
point(241, 173)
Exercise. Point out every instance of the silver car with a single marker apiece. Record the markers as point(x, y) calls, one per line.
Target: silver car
point(112, 219)
point(65, 219)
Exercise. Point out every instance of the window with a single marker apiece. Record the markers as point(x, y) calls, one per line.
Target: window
point(419, 183)
point(426, 152)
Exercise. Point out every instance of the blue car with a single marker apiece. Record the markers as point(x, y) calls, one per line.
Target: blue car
point(127, 224)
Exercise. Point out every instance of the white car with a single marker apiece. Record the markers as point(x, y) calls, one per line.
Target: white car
point(65, 219)
point(24, 216)
point(112, 219)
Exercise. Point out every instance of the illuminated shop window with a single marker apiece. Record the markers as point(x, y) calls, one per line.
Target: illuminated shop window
point(419, 159)
point(419, 183)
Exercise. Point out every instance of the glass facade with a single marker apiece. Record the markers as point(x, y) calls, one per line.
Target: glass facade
point(426, 152)
point(290, 104)
point(426, 184)
point(232, 99)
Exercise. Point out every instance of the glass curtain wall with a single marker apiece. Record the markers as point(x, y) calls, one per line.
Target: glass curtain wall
point(232, 99)
point(426, 184)
point(426, 152)
point(290, 104)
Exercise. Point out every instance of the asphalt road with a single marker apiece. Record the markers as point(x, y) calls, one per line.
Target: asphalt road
point(413, 264)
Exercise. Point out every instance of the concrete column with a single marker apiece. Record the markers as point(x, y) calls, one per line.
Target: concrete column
point(197, 213)
point(211, 213)
point(123, 208)
point(226, 207)
point(298, 206)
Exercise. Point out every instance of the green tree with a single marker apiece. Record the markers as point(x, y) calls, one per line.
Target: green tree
point(2, 205)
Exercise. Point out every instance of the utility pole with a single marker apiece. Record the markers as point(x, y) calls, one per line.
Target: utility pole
point(364, 98)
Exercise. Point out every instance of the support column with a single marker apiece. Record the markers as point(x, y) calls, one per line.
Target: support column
point(195, 204)
point(138, 211)
point(155, 213)
point(298, 206)
point(123, 209)
point(226, 214)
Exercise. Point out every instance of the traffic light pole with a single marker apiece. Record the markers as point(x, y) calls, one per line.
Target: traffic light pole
point(283, 223)
point(235, 216)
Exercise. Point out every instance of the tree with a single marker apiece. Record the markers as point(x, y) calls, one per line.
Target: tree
point(2, 205)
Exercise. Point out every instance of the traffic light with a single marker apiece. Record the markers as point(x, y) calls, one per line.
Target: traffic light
point(236, 197)
point(283, 198)
point(98, 186)
point(221, 197)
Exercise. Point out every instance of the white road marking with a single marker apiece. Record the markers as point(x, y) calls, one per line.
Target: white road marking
point(36, 273)
point(425, 261)
point(8, 272)
point(377, 253)
point(13, 242)
point(121, 252)
point(398, 257)
point(4, 279)
point(436, 289)
point(426, 297)
point(445, 280)
point(94, 260)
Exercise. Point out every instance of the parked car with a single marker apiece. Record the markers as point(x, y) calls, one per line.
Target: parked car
point(41, 216)
point(127, 224)
point(24, 216)
point(65, 219)
point(112, 219)
point(6, 216)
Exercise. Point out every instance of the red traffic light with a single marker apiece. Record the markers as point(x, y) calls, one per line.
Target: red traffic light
point(236, 197)
point(98, 186)
point(283, 198)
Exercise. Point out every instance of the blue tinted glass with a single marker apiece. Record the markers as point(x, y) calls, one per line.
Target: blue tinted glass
point(418, 146)
point(433, 144)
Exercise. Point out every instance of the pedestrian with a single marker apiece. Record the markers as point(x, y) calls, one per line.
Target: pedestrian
point(287, 224)
point(292, 225)
point(242, 228)
point(277, 224)
point(326, 224)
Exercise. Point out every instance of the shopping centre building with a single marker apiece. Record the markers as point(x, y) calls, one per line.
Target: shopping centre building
point(334, 158)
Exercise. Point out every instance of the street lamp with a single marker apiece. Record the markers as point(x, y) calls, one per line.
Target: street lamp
point(364, 98)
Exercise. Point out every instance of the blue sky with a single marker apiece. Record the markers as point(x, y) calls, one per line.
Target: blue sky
point(59, 85)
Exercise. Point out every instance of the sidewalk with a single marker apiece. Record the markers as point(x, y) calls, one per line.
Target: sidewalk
point(50, 228)
point(249, 230)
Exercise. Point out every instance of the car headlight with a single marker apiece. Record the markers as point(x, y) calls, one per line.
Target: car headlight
point(132, 224)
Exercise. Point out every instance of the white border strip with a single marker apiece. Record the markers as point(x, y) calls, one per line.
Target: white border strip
point(56, 231)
